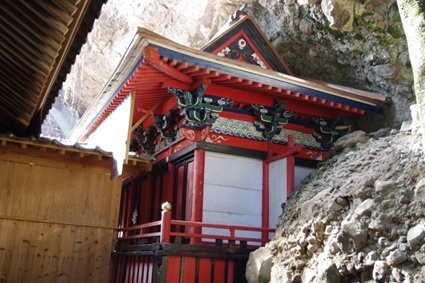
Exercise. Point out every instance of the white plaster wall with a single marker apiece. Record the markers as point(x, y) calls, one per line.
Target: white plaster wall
point(277, 189)
point(301, 173)
point(232, 192)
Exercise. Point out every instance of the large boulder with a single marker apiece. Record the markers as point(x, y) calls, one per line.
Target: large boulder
point(259, 266)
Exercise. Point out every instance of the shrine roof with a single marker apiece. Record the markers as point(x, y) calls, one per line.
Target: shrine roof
point(153, 63)
point(245, 32)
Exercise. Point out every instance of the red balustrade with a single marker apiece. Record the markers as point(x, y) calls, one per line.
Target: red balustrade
point(165, 231)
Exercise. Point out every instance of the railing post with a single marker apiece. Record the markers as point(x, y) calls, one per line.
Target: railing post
point(165, 223)
point(165, 227)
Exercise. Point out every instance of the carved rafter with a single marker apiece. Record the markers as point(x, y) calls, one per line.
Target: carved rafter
point(200, 111)
point(328, 131)
point(270, 121)
point(165, 124)
point(145, 140)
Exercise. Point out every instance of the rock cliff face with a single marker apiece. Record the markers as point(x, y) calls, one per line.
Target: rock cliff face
point(187, 22)
point(358, 44)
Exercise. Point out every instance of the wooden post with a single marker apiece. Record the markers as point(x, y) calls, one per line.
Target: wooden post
point(198, 190)
point(165, 227)
point(265, 202)
point(130, 123)
point(290, 165)
point(290, 175)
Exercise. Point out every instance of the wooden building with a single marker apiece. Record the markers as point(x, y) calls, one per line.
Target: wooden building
point(59, 206)
point(58, 211)
point(231, 130)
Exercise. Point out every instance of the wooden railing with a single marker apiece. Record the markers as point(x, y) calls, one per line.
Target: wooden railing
point(192, 231)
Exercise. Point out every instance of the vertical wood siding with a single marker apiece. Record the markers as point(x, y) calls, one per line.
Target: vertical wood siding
point(56, 225)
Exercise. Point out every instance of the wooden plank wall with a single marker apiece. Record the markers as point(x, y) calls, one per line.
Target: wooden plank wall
point(56, 224)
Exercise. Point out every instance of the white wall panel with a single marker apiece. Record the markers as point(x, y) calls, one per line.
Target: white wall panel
point(232, 190)
point(301, 173)
point(277, 189)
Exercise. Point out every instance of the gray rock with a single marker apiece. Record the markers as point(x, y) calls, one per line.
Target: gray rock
point(382, 187)
point(334, 206)
point(365, 208)
point(306, 27)
point(420, 257)
point(339, 13)
point(259, 266)
point(396, 257)
point(398, 276)
point(415, 235)
point(380, 271)
point(350, 140)
point(420, 190)
point(327, 272)
point(384, 71)
point(380, 133)
point(356, 233)
point(307, 2)
point(370, 258)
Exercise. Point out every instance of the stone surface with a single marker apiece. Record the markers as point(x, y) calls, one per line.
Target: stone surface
point(415, 235)
point(396, 257)
point(365, 208)
point(376, 234)
point(328, 272)
point(356, 233)
point(339, 13)
point(380, 270)
point(259, 266)
point(420, 190)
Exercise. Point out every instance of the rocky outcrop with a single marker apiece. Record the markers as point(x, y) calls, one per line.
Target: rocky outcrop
point(360, 217)
point(359, 44)
point(187, 22)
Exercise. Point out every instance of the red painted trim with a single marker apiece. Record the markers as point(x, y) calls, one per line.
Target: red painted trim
point(179, 193)
point(174, 148)
point(189, 192)
point(219, 270)
point(290, 175)
point(290, 165)
point(173, 269)
point(169, 178)
point(198, 187)
point(265, 201)
point(189, 269)
point(247, 97)
point(165, 227)
point(151, 55)
point(204, 270)
point(230, 271)
point(149, 193)
point(248, 40)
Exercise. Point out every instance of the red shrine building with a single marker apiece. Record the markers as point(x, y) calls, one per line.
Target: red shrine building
point(230, 131)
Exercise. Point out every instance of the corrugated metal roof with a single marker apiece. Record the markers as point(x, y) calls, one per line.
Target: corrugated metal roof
point(39, 41)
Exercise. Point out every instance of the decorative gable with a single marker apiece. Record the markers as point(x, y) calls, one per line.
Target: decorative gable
point(244, 40)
